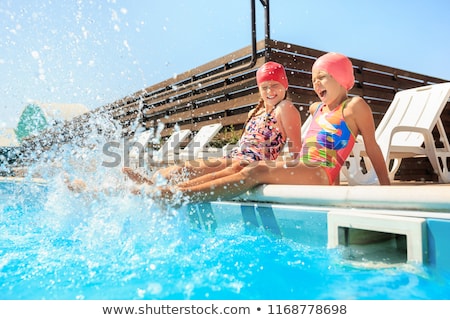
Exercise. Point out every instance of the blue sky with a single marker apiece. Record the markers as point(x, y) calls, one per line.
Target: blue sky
point(94, 52)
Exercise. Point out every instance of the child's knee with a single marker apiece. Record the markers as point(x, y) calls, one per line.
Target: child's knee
point(256, 172)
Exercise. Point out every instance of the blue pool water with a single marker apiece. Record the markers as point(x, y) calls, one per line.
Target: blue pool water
point(55, 244)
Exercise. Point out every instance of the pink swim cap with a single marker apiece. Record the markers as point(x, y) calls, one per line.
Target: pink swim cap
point(272, 71)
point(338, 66)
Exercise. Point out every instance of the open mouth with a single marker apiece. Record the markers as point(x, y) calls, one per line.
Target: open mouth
point(322, 93)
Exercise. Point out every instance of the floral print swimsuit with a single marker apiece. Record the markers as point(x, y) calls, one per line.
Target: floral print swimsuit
point(262, 139)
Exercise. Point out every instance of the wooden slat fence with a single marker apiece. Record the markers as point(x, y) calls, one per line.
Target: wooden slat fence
point(213, 93)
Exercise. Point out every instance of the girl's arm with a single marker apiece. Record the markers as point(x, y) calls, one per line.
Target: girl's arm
point(291, 124)
point(363, 119)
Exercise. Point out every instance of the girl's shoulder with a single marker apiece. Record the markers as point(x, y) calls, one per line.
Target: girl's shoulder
point(285, 104)
point(285, 108)
point(357, 104)
point(356, 100)
point(313, 107)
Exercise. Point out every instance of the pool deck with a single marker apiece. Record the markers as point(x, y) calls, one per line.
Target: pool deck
point(419, 199)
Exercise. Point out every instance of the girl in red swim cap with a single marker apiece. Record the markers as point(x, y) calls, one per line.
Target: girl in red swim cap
point(269, 126)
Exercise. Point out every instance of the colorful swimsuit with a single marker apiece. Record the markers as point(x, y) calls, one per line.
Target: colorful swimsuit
point(262, 139)
point(328, 141)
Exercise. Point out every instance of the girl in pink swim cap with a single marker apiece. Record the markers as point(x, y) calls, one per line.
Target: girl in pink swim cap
point(338, 66)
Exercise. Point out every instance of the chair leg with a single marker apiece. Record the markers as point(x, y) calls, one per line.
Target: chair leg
point(443, 173)
point(354, 173)
point(393, 167)
point(437, 157)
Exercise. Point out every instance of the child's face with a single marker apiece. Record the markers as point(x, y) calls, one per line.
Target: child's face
point(326, 87)
point(272, 92)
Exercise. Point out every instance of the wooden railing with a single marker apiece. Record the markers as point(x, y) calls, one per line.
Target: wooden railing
point(214, 93)
point(199, 97)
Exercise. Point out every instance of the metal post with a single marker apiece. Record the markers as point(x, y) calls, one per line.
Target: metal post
point(265, 4)
point(267, 52)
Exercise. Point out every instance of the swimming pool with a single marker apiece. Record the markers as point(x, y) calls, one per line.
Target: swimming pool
point(55, 244)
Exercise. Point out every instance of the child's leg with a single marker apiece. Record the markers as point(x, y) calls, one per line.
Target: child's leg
point(136, 176)
point(235, 167)
point(195, 168)
point(262, 173)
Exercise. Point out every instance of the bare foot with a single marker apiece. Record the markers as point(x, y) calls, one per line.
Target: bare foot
point(157, 193)
point(136, 176)
point(77, 185)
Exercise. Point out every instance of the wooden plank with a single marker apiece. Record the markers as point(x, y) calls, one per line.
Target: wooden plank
point(236, 120)
point(220, 93)
point(227, 105)
point(299, 79)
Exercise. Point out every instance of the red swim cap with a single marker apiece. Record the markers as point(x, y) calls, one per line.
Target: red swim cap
point(272, 71)
point(338, 66)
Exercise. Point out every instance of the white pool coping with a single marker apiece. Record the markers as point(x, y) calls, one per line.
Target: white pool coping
point(430, 197)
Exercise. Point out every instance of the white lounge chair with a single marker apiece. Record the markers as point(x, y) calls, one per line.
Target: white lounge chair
point(216, 152)
point(305, 126)
point(167, 150)
point(198, 143)
point(406, 131)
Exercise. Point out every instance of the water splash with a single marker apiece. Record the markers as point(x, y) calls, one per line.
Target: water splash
point(55, 244)
point(59, 244)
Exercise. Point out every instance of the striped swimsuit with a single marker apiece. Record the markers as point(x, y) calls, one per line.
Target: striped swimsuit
point(262, 139)
point(328, 141)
